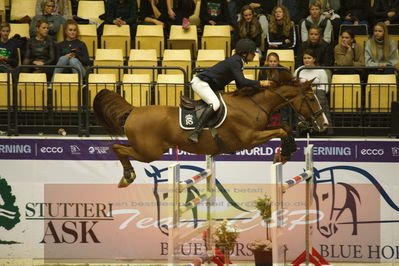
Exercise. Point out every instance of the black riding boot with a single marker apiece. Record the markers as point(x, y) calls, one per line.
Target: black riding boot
point(208, 112)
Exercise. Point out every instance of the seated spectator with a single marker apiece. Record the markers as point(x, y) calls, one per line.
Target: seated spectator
point(386, 11)
point(214, 12)
point(72, 51)
point(248, 27)
point(262, 8)
point(314, 42)
point(332, 14)
point(356, 12)
point(276, 75)
point(380, 50)
point(316, 18)
point(8, 48)
point(120, 12)
point(153, 12)
point(348, 52)
point(54, 20)
point(320, 82)
point(281, 31)
point(40, 50)
point(61, 8)
point(180, 11)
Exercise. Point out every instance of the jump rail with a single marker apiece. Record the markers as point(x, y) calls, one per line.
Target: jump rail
point(176, 208)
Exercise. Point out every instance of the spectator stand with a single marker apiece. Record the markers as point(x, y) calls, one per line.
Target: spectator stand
point(361, 109)
point(161, 91)
point(44, 107)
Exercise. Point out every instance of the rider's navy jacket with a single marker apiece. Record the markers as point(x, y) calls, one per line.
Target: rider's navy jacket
point(226, 71)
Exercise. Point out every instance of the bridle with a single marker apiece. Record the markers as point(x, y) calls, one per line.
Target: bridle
point(303, 122)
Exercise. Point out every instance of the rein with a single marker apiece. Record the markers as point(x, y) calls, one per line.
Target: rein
point(305, 99)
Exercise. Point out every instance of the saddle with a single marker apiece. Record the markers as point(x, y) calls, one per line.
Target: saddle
point(190, 110)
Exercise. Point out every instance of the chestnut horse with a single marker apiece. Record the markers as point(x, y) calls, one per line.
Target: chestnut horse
point(152, 130)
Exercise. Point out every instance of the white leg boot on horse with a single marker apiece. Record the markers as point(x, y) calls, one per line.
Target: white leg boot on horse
point(208, 112)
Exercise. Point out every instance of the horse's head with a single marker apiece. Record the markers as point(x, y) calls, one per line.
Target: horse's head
point(307, 106)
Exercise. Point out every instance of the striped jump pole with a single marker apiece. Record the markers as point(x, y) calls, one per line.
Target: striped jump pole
point(176, 208)
point(279, 188)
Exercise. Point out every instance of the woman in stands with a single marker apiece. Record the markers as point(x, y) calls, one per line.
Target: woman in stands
point(320, 47)
point(8, 48)
point(54, 20)
point(40, 50)
point(276, 75)
point(72, 51)
point(320, 83)
point(281, 32)
point(348, 52)
point(248, 27)
point(153, 12)
point(61, 8)
point(380, 50)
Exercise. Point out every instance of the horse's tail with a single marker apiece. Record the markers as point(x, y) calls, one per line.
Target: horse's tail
point(109, 107)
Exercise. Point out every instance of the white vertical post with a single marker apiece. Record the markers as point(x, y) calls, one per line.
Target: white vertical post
point(277, 213)
point(308, 202)
point(173, 201)
point(211, 189)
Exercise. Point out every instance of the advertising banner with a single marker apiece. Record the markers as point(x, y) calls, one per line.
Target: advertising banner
point(60, 200)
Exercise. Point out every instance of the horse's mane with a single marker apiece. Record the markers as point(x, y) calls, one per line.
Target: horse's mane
point(284, 80)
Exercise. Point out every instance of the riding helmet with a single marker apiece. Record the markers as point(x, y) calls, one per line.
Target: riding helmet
point(245, 46)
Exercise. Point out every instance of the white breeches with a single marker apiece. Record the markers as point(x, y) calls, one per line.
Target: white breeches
point(205, 92)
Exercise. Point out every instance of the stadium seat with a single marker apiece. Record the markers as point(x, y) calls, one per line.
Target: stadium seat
point(232, 85)
point(115, 37)
point(19, 28)
point(208, 58)
point(360, 31)
point(345, 93)
point(88, 35)
point(147, 58)
point(32, 91)
point(109, 57)
point(217, 37)
point(180, 38)
point(4, 77)
point(393, 30)
point(66, 91)
point(194, 18)
point(97, 82)
point(91, 10)
point(168, 89)
point(136, 89)
point(2, 11)
point(382, 93)
point(287, 57)
point(22, 8)
point(150, 37)
point(177, 58)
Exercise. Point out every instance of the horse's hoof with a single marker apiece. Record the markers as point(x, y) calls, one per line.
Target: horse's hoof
point(124, 182)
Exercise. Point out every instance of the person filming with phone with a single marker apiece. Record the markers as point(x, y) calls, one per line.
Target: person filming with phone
point(72, 51)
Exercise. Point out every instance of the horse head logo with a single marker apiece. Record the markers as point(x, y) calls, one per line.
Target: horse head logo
point(349, 199)
point(326, 199)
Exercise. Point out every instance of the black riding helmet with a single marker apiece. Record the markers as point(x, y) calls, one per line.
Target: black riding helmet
point(245, 46)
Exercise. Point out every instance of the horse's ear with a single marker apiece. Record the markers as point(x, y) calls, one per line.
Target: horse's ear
point(307, 83)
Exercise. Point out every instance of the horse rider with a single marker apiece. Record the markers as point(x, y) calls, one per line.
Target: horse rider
point(218, 76)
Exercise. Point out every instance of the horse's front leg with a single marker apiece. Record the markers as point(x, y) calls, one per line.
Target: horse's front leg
point(123, 152)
